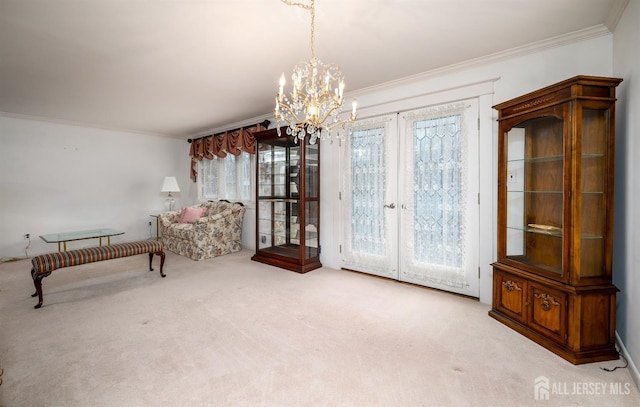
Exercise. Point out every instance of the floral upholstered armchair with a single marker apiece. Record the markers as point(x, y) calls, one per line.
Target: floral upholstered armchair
point(203, 231)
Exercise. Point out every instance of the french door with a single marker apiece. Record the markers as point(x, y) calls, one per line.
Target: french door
point(410, 197)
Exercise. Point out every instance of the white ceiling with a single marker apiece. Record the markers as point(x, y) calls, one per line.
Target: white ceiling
point(184, 67)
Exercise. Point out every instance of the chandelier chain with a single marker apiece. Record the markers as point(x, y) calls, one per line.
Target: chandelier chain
point(312, 9)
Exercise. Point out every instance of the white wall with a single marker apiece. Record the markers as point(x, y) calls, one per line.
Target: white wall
point(58, 177)
point(626, 262)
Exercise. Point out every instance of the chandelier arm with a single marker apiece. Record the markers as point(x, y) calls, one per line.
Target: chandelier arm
point(329, 113)
point(337, 106)
point(319, 121)
point(291, 112)
point(339, 123)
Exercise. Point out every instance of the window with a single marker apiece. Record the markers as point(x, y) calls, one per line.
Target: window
point(230, 178)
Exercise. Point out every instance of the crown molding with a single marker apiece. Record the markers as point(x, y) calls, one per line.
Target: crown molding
point(553, 42)
point(615, 14)
point(82, 124)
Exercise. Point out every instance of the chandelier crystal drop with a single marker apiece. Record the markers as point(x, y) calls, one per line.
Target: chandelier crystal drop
point(314, 104)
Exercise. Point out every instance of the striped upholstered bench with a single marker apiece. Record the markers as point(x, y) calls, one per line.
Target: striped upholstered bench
point(44, 264)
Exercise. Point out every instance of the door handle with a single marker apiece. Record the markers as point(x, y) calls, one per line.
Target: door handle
point(392, 206)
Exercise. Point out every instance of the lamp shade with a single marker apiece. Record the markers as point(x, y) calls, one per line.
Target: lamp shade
point(170, 185)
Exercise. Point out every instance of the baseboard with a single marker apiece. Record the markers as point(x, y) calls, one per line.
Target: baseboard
point(11, 259)
point(633, 369)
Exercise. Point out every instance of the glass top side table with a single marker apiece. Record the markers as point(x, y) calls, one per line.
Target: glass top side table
point(63, 238)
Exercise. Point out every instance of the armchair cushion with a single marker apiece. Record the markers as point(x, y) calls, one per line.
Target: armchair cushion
point(191, 214)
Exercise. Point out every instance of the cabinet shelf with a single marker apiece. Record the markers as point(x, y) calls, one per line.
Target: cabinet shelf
point(555, 233)
point(515, 191)
point(277, 199)
point(552, 158)
point(534, 192)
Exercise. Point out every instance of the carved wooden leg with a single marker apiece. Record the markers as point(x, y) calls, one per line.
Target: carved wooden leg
point(34, 283)
point(162, 255)
point(38, 283)
point(150, 260)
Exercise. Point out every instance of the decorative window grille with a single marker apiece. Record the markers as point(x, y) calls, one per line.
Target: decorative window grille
point(367, 226)
point(435, 170)
point(368, 191)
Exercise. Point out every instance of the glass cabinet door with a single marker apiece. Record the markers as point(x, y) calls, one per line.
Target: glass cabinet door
point(593, 190)
point(312, 189)
point(534, 183)
point(278, 223)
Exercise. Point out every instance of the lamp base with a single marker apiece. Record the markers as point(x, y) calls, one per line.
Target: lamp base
point(169, 203)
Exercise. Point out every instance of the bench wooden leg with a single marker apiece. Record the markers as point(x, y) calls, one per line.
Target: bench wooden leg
point(162, 256)
point(38, 284)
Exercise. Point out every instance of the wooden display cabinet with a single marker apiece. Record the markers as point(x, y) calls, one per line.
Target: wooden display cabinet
point(552, 279)
point(288, 202)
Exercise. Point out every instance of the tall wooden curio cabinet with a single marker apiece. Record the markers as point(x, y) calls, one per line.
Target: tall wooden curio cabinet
point(288, 202)
point(552, 279)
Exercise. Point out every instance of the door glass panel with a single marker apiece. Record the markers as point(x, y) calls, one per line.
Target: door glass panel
point(437, 193)
point(368, 191)
point(437, 177)
point(369, 185)
point(411, 210)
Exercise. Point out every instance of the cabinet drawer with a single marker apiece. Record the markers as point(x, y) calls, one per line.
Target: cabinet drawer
point(510, 295)
point(547, 311)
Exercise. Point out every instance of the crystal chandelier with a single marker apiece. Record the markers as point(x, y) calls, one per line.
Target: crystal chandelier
point(314, 105)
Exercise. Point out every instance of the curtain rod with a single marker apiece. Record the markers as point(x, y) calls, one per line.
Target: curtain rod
point(264, 123)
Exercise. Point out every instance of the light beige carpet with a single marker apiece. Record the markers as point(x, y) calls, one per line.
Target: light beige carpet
point(232, 332)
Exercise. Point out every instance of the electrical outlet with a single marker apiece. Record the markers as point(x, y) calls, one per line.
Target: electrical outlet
point(511, 177)
point(149, 223)
point(27, 236)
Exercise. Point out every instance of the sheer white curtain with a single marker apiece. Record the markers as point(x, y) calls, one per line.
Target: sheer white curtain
point(367, 226)
point(228, 178)
point(408, 208)
point(435, 170)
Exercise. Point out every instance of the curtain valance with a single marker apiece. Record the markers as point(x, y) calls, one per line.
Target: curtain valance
point(219, 145)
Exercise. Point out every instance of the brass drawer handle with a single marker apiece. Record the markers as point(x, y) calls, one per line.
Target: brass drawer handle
point(547, 300)
point(545, 305)
point(510, 286)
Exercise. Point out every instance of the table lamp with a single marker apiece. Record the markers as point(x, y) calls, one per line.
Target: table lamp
point(170, 185)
